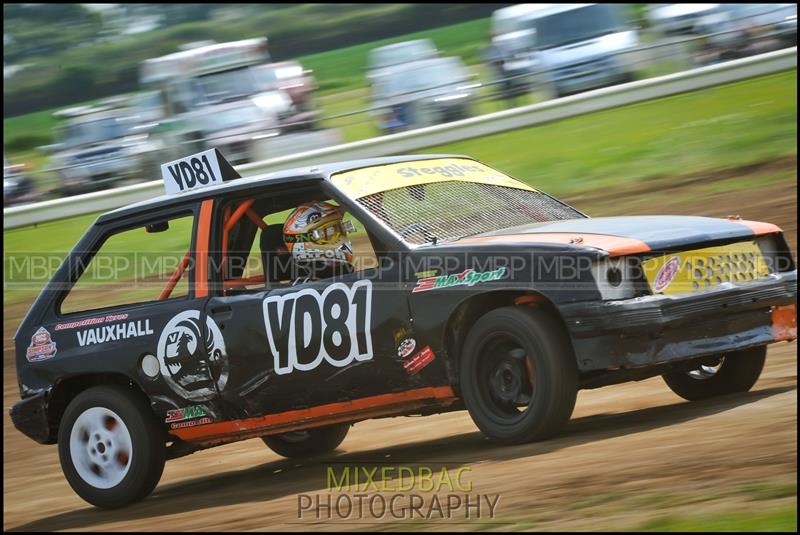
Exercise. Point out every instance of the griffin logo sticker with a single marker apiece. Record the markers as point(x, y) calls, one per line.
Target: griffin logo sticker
point(307, 327)
point(42, 346)
point(666, 274)
point(190, 356)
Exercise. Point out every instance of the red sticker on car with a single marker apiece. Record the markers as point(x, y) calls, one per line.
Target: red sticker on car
point(419, 361)
point(42, 346)
point(667, 273)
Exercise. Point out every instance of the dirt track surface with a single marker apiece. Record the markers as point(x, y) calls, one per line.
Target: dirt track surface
point(632, 452)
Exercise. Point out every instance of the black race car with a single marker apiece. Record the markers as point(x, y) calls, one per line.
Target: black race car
point(467, 289)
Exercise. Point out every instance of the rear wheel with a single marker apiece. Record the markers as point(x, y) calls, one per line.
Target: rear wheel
point(726, 373)
point(307, 443)
point(518, 375)
point(111, 448)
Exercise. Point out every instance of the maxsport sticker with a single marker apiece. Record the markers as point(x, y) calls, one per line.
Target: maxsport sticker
point(468, 277)
point(187, 417)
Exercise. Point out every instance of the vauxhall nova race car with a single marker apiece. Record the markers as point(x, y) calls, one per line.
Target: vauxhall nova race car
point(469, 290)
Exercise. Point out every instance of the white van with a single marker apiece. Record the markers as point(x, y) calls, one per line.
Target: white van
point(509, 55)
point(582, 46)
point(210, 98)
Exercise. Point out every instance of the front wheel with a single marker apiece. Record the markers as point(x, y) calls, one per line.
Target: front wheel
point(726, 373)
point(307, 443)
point(111, 447)
point(518, 375)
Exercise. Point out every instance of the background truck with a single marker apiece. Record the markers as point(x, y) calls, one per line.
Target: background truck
point(211, 95)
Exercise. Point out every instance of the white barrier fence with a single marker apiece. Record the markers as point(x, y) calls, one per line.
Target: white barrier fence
point(414, 140)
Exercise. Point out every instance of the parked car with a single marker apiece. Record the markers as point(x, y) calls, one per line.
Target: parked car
point(148, 107)
point(298, 83)
point(484, 294)
point(95, 148)
point(787, 30)
point(17, 186)
point(666, 19)
point(583, 46)
point(740, 30)
point(212, 97)
point(509, 53)
point(423, 93)
point(398, 54)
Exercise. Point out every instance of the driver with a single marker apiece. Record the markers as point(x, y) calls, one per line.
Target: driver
point(316, 237)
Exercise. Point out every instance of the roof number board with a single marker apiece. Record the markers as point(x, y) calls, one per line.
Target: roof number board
point(193, 172)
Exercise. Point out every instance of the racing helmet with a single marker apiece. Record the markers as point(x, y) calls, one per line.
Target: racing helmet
point(316, 237)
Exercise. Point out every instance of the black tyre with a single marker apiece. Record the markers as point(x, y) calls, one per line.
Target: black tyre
point(111, 447)
point(300, 444)
point(518, 375)
point(727, 373)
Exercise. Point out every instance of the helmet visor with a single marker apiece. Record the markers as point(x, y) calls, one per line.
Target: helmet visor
point(330, 232)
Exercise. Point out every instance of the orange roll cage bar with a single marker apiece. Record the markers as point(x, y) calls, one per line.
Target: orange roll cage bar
point(176, 276)
point(230, 220)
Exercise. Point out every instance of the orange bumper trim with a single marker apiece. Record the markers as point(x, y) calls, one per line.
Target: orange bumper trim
point(784, 322)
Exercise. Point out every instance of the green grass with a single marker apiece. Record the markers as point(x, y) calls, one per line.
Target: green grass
point(782, 519)
point(29, 125)
point(725, 126)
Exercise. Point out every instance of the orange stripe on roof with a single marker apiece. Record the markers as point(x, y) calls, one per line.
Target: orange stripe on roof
point(614, 245)
point(759, 228)
point(340, 411)
point(201, 249)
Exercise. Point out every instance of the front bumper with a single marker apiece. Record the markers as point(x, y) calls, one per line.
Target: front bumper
point(30, 417)
point(658, 329)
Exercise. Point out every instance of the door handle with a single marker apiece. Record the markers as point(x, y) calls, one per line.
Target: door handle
point(222, 309)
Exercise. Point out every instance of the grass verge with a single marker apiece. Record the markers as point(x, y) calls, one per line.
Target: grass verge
point(782, 519)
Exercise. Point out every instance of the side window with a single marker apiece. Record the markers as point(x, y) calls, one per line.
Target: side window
point(146, 263)
point(363, 252)
point(253, 246)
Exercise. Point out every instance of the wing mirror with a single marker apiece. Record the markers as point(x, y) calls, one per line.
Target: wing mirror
point(161, 226)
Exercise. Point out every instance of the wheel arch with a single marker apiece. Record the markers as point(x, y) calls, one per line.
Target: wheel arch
point(473, 308)
point(65, 390)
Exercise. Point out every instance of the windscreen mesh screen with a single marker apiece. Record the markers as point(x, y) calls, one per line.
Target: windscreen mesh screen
point(455, 209)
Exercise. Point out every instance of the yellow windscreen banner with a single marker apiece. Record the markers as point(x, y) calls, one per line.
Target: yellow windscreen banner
point(369, 180)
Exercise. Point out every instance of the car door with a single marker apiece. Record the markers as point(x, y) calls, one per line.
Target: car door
point(315, 343)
